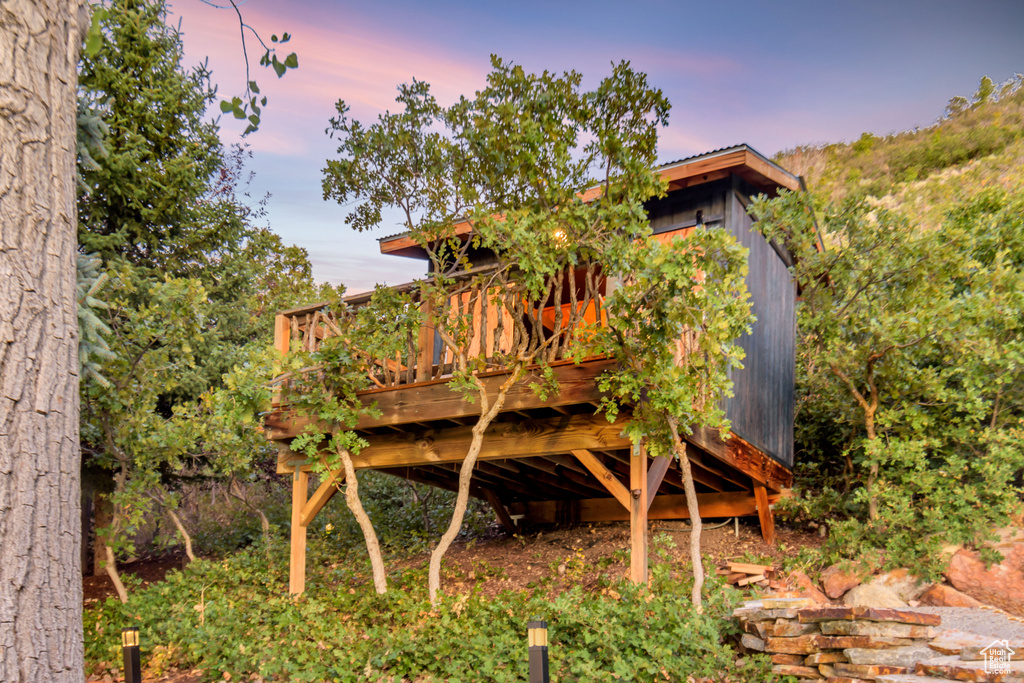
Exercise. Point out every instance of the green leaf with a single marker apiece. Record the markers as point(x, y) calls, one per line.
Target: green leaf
point(292, 61)
point(253, 87)
point(279, 68)
point(226, 106)
point(286, 37)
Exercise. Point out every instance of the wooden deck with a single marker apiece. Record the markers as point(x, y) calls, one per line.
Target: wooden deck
point(554, 460)
point(550, 461)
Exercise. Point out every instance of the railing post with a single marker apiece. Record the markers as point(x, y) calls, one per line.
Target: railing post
point(425, 345)
point(537, 636)
point(282, 339)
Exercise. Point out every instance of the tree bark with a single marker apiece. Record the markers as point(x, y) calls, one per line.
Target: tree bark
point(110, 566)
point(380, 577)
point(185, 537)
point(869, 424)
point(694, 510)
point(40, 525)
point(103, 516)
point(487, 415)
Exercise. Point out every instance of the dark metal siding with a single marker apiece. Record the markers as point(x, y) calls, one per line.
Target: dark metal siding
point(679, 209)
point(761, 409)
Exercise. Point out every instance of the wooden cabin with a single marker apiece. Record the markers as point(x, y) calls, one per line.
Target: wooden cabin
point(555, 461)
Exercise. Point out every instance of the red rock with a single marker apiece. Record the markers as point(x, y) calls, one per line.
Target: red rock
point(787, 659)
point(941, 595)
point(813, 614)
point(824, 658)
point(837, 581)
point(806, 587)
point(953, 642)
point(1001, 585)
point(905, 585)
point(797, 671)
point(799, 645)
point(786, 628)
point(868, 670)
point(861, 642)
point(873, 595)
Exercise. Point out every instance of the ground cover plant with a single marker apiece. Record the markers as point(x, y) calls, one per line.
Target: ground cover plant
point(232, 619)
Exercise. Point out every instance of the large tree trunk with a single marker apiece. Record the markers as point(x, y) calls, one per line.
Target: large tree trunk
point(40, 534)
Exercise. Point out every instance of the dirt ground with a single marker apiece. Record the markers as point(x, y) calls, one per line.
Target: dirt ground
point(567, 555)
point(573, 554)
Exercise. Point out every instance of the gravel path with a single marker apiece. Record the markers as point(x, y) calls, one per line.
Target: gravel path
point(982, 621)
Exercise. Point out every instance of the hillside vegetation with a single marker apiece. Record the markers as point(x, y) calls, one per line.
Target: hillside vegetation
point(910, 359)
point(977, 142)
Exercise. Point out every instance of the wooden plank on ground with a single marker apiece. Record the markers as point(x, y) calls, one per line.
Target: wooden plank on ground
point(604, 475)
point(728, 504)
point(748, 568)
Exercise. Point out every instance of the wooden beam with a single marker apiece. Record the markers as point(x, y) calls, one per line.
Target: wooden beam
point(434, 400)
point(711, 505)
point(528, 486)
point(764, 512)
point(580, 483)
point(500, 510)
point(441, 479)
point(297, 558)
point(655, 475)
point(638, 517)
point(744, 457)
point(328, 487)
point(501, 440)
point(607, 479)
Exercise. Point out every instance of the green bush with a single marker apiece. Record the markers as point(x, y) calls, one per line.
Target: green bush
point(232, 617)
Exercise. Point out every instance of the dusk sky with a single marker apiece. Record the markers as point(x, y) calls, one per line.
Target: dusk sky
point(770, 74)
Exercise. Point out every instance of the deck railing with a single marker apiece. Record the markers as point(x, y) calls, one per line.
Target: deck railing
point(486, 321)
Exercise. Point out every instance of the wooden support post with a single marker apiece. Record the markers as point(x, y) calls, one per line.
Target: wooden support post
point(297, 562)
point(764, 512)
point(638, 516)
point(425, 343)
point(656, 475)
point(605, 476)
point(499, 509)
point(328, 487)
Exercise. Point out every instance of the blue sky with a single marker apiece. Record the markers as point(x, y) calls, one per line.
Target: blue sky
point(770, 74)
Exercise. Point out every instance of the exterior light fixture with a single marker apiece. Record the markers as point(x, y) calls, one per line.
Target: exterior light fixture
point(537, 635)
